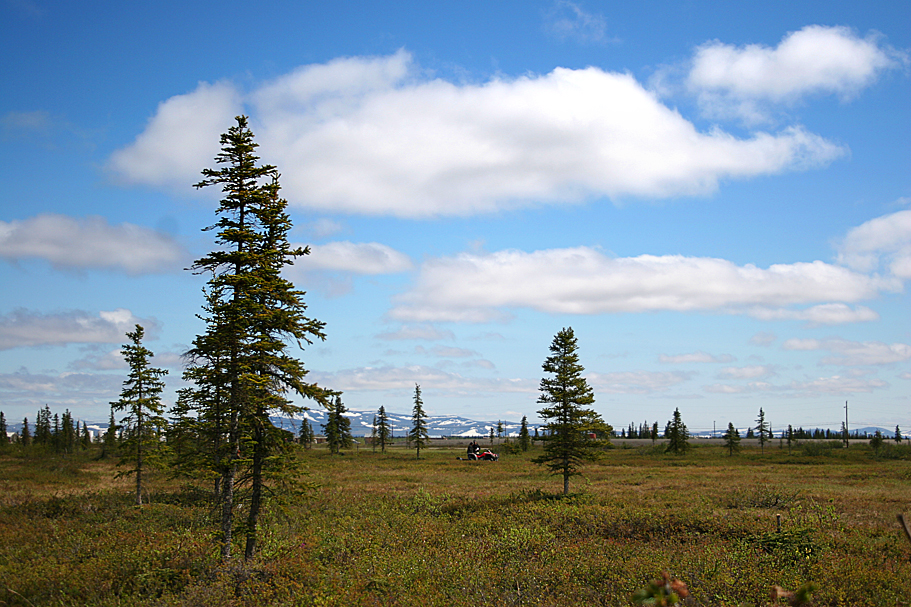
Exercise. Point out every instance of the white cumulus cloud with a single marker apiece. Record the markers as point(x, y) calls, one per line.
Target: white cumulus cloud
point(180, 140)
point(373, 136)
point(473, 287)
point(886, 238)
point(91, 242)
point(814, 60)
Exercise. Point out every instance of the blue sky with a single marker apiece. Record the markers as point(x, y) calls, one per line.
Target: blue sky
point(716, 196)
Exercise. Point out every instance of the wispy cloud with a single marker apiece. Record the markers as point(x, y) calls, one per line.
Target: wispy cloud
point(569, 21)
point(763, 338)
point(823, 314)
point(23, 328)
point(324, 227)
point(815, 387)
point(425, 332)
point(835, 384)
point(357, 258)
point(27, 8)
point(402, 379)
point(90, 243)
point(852, 353)
point(695, 357)
point(373, 136)
point(25, 123)
point(109, 360)
point(636, 382)
point(748, 372)
point(446, 352)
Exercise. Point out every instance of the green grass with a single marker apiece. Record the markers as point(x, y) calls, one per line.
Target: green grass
point(387, 529)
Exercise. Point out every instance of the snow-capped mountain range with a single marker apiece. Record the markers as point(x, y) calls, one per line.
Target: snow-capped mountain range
point(437, 426)
point(362, 424)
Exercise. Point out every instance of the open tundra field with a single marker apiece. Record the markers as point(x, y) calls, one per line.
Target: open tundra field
point(387, 529)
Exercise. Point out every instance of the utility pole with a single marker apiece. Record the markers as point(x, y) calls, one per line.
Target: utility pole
point(713, 429)
point(846, 424)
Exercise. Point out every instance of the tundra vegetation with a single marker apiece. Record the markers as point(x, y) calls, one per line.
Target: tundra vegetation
point(227, 509)
point(388, 529)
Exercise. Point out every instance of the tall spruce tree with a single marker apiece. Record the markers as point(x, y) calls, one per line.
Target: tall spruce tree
point(569, 424)
point(524, 437)
point(67, 441)
point(762, 427)
point(141, 399)
point(109, 441)
point(240, 365)
point(383, 429)
point(337, 427)
point(677, 434)
point(4, 439)
point(418, 436)
point(25, 436)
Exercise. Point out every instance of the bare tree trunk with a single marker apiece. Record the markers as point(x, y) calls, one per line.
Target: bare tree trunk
point(227, 511)
point(227, 491)
point(256, 494)
point(139, 483)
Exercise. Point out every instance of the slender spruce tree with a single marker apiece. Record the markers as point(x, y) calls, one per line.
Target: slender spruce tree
point(570, 424)
point(4, 439)
point(418, 436)
point(524, 437)
point(109, 440)
point(25, 436)
point(762, 427)
point(141, 399)
point(86, 438)
point(732, 439)
point(373, 437)
point(240, 365)
point(383, 429)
